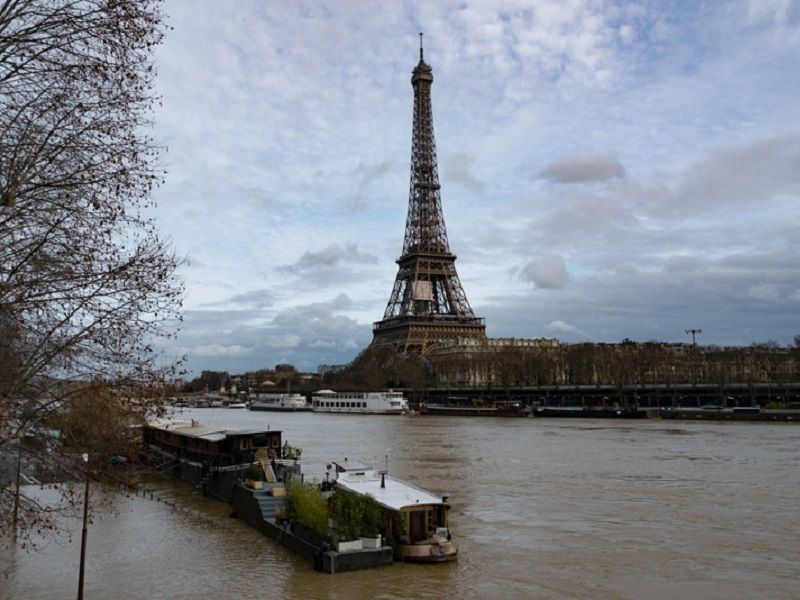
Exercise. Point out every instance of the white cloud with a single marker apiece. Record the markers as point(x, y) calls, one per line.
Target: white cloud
point(219, 351)
point(366, 175)
point(764, 291)
point(561, 327)
point(583, 168)
point(743, 175)
point(330, 256)
point(548, 271)
point(288, 340)
point(459, 168)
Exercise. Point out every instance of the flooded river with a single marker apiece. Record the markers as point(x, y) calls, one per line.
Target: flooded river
point(549, 508)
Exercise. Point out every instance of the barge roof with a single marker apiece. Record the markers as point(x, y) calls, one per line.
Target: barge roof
point(397, 494)
point(193, 429)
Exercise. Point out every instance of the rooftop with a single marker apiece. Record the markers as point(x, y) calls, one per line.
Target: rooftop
point(192, 428)
point(396, 495)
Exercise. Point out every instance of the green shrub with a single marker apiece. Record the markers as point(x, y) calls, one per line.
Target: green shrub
point(399, 527)
point(253, 472)
point(355, 516)
point(305, 504)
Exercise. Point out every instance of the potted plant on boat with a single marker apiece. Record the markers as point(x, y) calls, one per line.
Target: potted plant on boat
point(252, 476)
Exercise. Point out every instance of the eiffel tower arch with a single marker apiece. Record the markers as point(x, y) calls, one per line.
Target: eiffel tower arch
point(427, 303)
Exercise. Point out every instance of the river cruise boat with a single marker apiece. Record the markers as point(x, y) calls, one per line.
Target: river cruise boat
point(369, 403)
point(281, 403)
point(416, 523)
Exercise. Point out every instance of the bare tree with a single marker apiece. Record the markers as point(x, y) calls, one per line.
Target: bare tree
point(87, 285)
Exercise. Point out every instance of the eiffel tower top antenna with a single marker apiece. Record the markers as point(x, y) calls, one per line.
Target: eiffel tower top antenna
point(420, 47)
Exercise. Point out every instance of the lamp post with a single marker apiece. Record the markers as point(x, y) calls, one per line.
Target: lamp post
point(694, 360)
point(83, 532)
point(693, 332)
point(16, 489)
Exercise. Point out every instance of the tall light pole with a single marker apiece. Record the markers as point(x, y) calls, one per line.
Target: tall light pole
point(694, 360)
point(16, 489)
point(83, 533)
point(693, 332)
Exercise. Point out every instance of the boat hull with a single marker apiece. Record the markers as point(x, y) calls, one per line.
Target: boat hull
point(426, 553)
point(470, 411)
point(589, 413)
point(282, 408)
point(359, 411)
point(730, 415)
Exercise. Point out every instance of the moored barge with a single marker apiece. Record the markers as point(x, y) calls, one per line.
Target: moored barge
point(741, 413)
point(498, 409)
point(215, 458)
point(416, 521)
point(579, 412)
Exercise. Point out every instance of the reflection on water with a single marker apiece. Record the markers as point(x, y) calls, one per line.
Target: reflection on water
point(541, 508)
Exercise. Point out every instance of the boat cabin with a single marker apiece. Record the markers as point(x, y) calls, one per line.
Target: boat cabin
point(219, 446)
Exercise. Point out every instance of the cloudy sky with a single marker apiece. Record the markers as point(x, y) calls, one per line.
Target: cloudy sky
point(608, 169)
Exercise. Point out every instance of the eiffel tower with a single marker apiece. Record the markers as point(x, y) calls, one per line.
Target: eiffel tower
point(427, 303)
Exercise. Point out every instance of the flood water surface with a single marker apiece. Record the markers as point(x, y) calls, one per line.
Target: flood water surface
point(546, 508)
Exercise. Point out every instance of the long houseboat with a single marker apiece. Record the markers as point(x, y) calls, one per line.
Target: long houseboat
point(378, 403)
point(214, 458)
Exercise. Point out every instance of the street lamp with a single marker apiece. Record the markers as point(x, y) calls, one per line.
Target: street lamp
point(693, 332)
point(83, 533)
point(16, 489)
point(694, 360)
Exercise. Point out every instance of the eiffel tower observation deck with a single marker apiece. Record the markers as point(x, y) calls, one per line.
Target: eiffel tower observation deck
point(428, 303)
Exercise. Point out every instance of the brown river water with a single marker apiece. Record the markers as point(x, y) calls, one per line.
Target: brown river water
point(542, 508)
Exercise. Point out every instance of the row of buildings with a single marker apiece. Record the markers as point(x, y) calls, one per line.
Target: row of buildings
point(508, 362)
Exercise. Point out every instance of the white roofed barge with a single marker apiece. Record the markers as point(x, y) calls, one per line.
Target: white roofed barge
point(416, 525)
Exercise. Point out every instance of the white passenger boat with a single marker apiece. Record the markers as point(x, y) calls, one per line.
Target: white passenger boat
point(280, 403)
point(415, 521)
point(378, 403)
